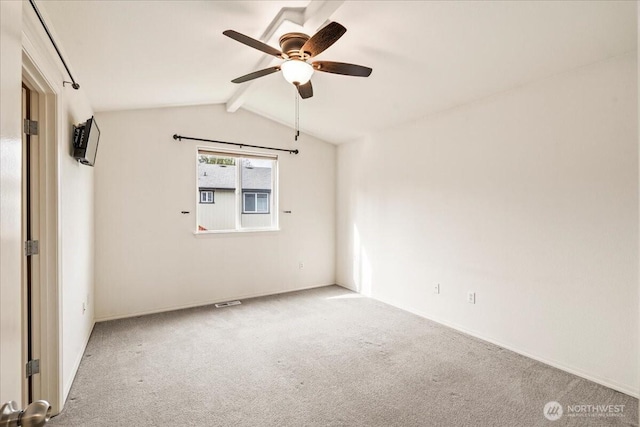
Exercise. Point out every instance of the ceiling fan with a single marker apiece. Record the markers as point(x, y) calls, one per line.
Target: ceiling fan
point(297, 48)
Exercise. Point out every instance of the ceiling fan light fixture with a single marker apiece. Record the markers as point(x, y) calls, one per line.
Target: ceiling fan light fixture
point(296, 71)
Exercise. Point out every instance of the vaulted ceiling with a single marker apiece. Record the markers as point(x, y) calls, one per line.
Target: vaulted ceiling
point(427, 56)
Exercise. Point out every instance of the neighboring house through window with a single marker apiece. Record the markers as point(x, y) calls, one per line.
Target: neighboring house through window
point(237, 192)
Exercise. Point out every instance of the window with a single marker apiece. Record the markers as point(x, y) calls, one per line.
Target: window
point(206, 196)
point(244, 186)
point(255, 202)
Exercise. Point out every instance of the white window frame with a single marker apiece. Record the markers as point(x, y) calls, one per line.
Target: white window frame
point(273, 196)
point(206, 200)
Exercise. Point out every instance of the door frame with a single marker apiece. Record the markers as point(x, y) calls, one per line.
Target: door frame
point(47, 334)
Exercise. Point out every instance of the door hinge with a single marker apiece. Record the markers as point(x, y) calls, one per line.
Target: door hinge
point(33, 367)
point(30, 127)
point(31, 247)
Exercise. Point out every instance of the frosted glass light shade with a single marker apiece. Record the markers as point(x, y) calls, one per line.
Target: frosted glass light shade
point(296, 71)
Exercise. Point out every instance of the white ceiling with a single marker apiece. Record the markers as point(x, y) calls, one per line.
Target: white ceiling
point(426, 56)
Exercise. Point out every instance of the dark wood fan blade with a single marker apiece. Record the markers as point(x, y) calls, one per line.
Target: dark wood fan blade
point(256, 44)
point(255, 75)
point(305, 90)
point(342, 68)
point(324, 38)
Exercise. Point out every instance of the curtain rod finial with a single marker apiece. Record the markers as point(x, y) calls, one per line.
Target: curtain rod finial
point(74, 85)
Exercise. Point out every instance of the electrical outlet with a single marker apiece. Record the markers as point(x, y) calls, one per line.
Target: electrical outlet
point(471, 297)
point(300, 265)
point(436, 288)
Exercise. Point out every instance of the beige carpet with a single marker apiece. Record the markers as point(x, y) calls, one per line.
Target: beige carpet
point(324, 357)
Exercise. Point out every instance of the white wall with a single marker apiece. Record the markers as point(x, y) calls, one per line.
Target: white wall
point(74, 188)
point(147, 263)
point(530, 199)
point(77, 246)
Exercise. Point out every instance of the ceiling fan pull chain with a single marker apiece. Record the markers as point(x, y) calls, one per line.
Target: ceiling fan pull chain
point(297, 120)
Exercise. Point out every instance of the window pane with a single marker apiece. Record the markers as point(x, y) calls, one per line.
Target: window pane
point(249, 202)
point(257, 180)
point(263, 202)
point(217, 174)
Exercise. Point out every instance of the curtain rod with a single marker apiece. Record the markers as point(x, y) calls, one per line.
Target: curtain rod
point(180, 138)
point(74, 84)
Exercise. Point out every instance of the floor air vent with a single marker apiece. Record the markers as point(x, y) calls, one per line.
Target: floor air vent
point(227, 304)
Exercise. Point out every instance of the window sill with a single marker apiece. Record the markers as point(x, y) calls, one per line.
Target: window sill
point(236, 232)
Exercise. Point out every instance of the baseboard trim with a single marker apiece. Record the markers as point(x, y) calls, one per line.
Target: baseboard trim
point(208, 302)
point(76, 366)
point(607, 383)
point(623, 388)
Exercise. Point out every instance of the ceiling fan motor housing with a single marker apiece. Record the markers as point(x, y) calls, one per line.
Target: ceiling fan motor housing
point(291, 43)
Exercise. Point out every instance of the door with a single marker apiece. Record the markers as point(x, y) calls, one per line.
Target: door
point(30, 234)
